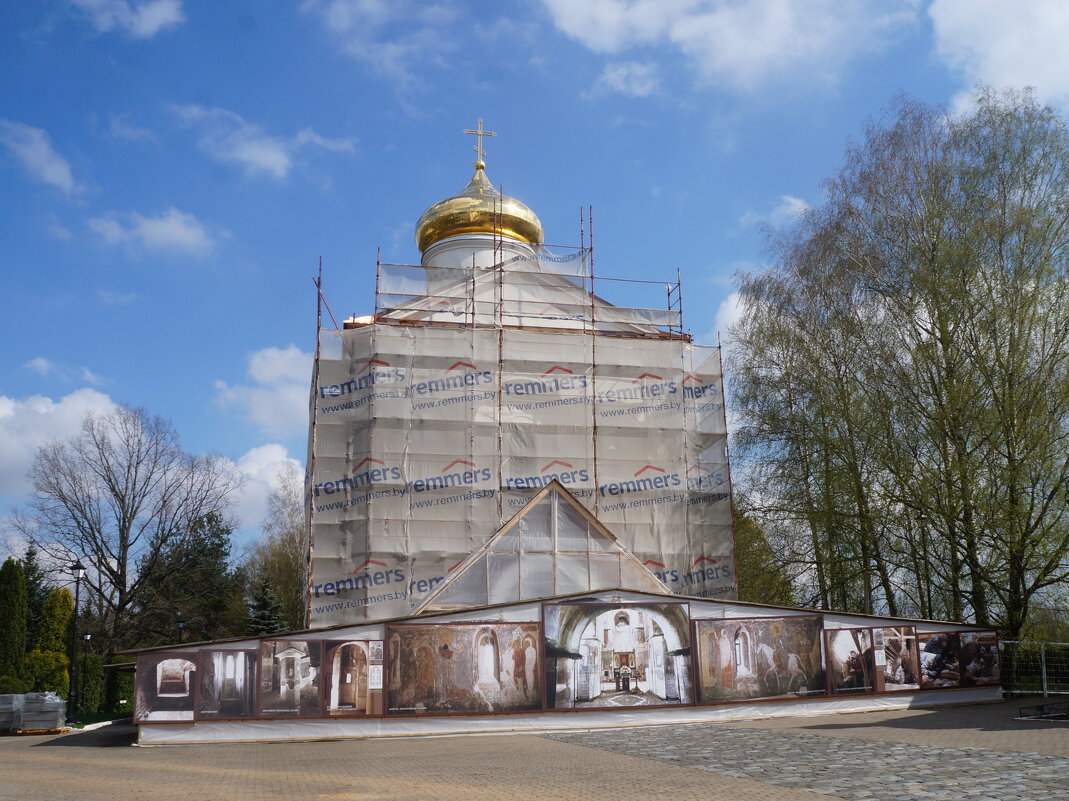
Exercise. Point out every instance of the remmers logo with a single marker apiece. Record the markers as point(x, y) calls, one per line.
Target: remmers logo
point(458, 473)
point(647, 385)
point(364, 576)
point(646, 478)
point(554, 379)
point(376, 371)
point(459, 375)
point(564, 472)
point(697, 388)
point(368, 471)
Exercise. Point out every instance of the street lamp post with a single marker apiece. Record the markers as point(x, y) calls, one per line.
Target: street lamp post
point(78, 569)
point(181, 625)
point(85, 666)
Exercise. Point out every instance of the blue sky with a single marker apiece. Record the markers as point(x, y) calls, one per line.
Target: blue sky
point(171, 171)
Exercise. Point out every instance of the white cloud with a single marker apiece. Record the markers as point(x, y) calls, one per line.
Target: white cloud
point(139, 19)
point(40, 365)
point(33, 149)
point(1006, 44)
point(120, 128)
point(742, 44)
point(629, 78)
point(109, 298)
point(173, 230)
point(728, 313)
point(277, 398)
point(393, 37)
point(27, 424)
point(228, 137)
point(259, 469)
point(786, 212)
point(47, 368)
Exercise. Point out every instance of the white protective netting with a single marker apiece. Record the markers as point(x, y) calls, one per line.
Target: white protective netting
point(429, 436)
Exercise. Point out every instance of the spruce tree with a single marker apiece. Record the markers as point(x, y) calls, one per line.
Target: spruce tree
point(265, 612)
point(37, 588)
point(12, 618)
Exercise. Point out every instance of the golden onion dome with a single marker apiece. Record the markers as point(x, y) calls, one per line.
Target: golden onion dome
point(478, 209)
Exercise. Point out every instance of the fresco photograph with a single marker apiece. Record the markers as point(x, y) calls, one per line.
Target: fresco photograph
point(760, 658)
point(462, 668)
point(604, 655)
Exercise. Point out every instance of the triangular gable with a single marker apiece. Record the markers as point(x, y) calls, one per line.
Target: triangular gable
point(552, 546)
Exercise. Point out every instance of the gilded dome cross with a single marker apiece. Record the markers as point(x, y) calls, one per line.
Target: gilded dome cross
point(479, 134)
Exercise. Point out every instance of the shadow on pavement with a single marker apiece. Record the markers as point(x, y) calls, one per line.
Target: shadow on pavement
point(114, 736)
point(980, 717)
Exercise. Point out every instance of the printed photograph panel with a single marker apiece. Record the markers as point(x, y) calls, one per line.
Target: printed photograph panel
point(290, 678)
point(166, 686)
point(462, 668)
point(940, 667)
point(851, 661)
point(617, 655)
point(978, 656)
point(353, 677)
point(895, 655)
point(760, 658)
point(227, 685)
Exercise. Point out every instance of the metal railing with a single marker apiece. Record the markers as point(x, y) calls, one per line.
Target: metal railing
point(1034, 668)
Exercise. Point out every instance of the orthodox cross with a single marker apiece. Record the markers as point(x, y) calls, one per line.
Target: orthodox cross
point(479, 134)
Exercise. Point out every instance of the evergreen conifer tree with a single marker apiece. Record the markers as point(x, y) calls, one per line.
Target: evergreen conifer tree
point(37, 588)
point(265, 613)
point(12, 618)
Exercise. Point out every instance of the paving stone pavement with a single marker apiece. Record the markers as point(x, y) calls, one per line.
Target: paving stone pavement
point(843, 767)
point(973, 753)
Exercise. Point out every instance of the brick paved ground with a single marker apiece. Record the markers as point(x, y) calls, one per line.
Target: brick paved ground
point(962, 753)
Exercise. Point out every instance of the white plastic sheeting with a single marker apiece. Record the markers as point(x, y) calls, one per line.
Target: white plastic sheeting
point(283, 730)
point(553, 546)
point(428, 438)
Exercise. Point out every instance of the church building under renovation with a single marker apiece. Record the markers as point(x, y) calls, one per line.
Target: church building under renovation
point(519, 510)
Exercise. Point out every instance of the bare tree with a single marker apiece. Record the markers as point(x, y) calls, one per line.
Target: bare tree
point(903, 370)
point(278, 557)
point(116, 497)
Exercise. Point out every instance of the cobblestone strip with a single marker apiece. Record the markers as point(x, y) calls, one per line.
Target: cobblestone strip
point(858, 770)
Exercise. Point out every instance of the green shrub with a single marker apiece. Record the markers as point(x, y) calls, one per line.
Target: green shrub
point(13, 685)
point(48, 671)
point(90, 683)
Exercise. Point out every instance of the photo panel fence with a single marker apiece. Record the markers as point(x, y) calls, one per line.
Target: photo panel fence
point(754, 658)
point(463, 668)
point(617, 655)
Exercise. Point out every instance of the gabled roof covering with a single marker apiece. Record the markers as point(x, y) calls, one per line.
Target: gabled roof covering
point(552, 546)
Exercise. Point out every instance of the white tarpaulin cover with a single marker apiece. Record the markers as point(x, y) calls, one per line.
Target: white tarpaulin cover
point(428, 438)
point(276, 730)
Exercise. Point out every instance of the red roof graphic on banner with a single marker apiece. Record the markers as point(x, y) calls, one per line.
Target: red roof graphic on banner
point(454, 567)
point(367, 562)
point(371, 362)
point(455, 365)
point(555, 368)
point(367, 459)
point(699, 468)
point(649, 467)
point(646, 375)
point(554, 462)
point(701, 559)
point(655, 564)
point(689, 377)
point(458, 461)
